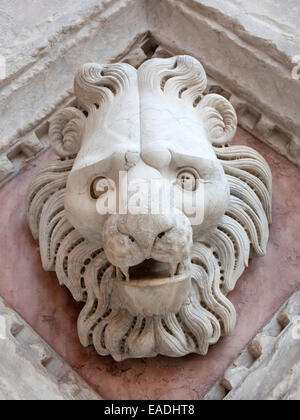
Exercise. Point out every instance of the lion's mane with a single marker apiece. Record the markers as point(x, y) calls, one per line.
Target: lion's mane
point(217, 262)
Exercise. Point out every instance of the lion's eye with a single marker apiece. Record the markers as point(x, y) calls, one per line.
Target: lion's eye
point(99, 186)
point(187, 179)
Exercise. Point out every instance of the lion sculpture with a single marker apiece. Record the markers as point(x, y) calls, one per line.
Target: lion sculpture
point(151, 282)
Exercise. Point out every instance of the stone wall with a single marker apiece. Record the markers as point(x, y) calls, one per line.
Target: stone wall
point(30, 369)
point(269, 367)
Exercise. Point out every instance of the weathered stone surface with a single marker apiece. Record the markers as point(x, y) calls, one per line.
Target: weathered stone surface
point(6, 167)
point(30, 369)
point(271, 25)
point(269, 368)
point(31, 145)
point(51, 41)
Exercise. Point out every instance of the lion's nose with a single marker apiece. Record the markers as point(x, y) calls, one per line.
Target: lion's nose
point(144, 229)
point(130, 239)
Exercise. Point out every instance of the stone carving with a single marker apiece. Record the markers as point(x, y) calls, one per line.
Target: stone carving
point(32, 370)
point(153, 282)
point(274, 349)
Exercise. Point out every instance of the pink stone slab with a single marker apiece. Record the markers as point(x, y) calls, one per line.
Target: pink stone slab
point(51, 311)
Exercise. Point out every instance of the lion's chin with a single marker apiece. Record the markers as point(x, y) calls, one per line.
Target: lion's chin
point(152, 287)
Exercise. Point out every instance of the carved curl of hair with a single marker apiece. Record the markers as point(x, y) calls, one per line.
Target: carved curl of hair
point(98, 84)
point(182, 77)
point(65, 132)
point(219, 118)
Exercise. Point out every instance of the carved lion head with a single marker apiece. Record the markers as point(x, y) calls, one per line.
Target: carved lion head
point(153, 282)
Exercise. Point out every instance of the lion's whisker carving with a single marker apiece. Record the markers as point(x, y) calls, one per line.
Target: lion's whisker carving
point(151, 283)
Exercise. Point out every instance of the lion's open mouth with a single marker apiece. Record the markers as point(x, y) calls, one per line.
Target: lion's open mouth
point(153, 270)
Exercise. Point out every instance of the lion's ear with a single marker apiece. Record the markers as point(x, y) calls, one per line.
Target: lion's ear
point(219, 118)
point(65, 132)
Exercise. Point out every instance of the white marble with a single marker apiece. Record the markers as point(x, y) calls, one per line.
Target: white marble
point(154, 279)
